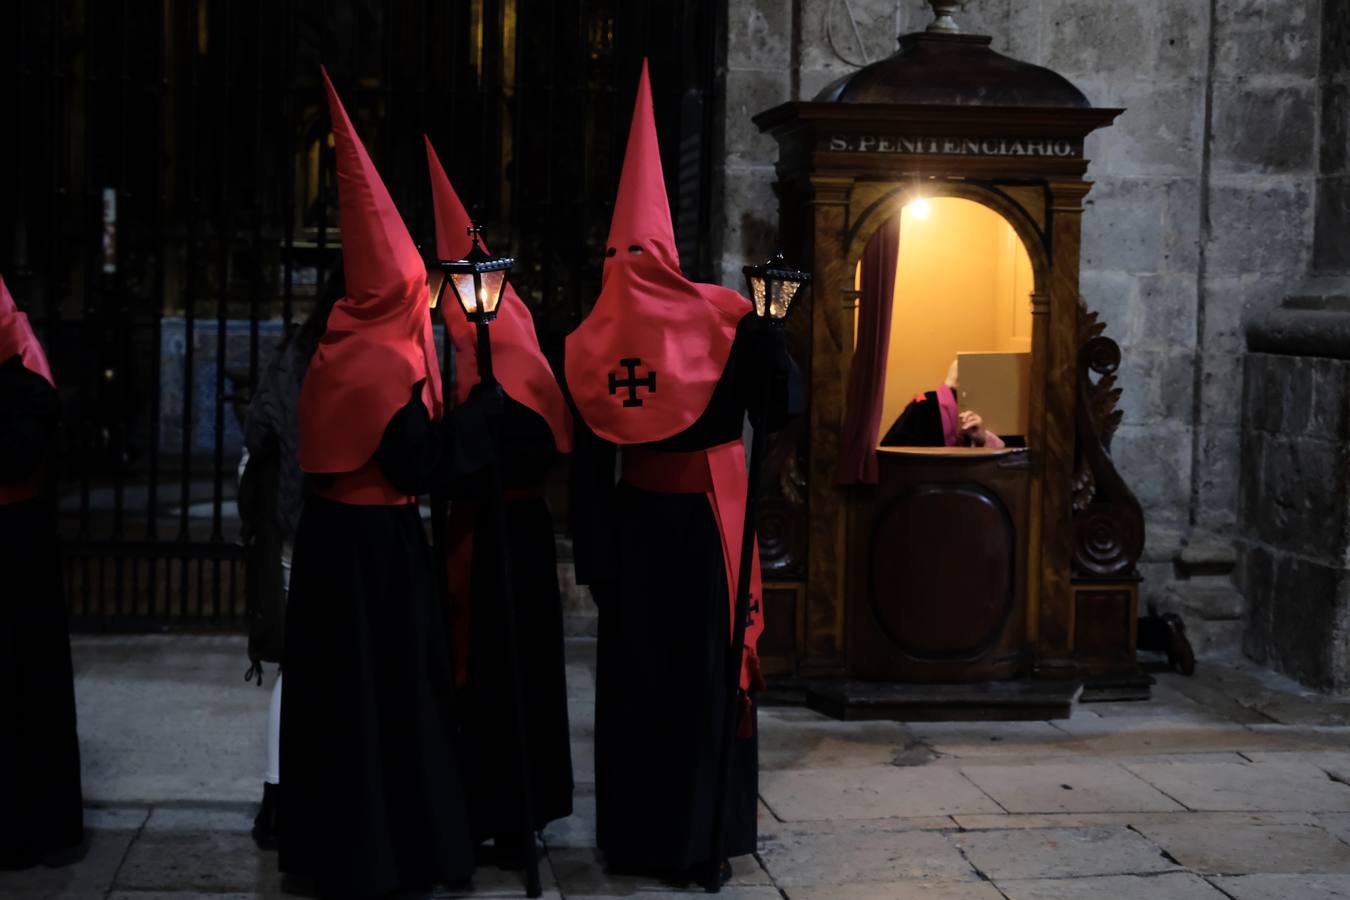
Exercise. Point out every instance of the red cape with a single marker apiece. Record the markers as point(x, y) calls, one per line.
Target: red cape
point(379, 341)
point(643, 365)
point(517, 361)
point(17, 338)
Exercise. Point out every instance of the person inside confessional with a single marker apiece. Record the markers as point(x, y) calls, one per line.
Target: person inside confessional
point(935, 419)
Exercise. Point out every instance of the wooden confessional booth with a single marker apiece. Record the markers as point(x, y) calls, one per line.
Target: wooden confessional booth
point(953, 582)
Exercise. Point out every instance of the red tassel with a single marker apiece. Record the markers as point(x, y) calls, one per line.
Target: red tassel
point(753, 670)
point(747, 724)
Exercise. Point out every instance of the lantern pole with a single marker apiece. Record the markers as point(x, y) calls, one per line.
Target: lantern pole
point(759, 422)
point(496, 507)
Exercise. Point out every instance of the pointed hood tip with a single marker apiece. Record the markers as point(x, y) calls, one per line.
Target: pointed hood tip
point(7, 304)
point(641, 207)
point(451, 216)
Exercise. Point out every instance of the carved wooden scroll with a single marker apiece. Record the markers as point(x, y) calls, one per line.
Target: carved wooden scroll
point(1108, 523)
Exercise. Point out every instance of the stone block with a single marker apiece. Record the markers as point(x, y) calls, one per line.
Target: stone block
point(1182, 43)
point(1097, 40)
point(1285, 887)
point(1302, 507)
point(751, 230)
point(1255, 37)
point(1168, 886)
point(1334, 158)
point(1331, 251)
point(749, 93)
point(1068, 787)
point(1061, 853)
point(1155, 461)
point(1258, 225)
point(1166, 311)
point(1221, 387)
point(1233, 303)
point(1308, 637)
point(1264, 130)
point(1329, 409)
point(870, 793)
point(759, 34)
point(1218, 474)
point(1246, 849)
point(1226, 786)
point(1256, 566)
point(854, 857)
point(1156, 384)
point(1159, 134)
point(1113, 294)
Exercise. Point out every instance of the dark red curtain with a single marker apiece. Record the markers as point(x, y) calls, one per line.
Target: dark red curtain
point(867, 377)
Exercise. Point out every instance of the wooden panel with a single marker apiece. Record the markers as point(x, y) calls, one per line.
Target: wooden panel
point(782, 625)
point(1104, 626)
point(937, 563)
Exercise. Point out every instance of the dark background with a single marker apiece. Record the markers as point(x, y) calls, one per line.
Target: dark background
point(207, 123)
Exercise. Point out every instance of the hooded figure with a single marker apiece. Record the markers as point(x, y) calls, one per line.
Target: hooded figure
point(40, 803)
point(665, 370)
point(372, 800)
point(535, 427)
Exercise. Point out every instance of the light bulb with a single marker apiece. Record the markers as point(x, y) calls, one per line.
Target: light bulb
point(920, 208)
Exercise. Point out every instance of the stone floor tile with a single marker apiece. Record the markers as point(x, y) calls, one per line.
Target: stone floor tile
point(1166, 886)
point(91, 875)
point(1337, 824)
point(206, 861)
point(793, 714)
point(1068, 787)
point(1062, 853)
point(168, 818)
point(191, 895)
point(729, 892)
point(871, 793)
point(900, 890)
point(851, 857)
point(1227, 786)
point(578, 829)
point(1250, 849)
point(489, 881)
point(580, 872)
point(1149, 736)
point(1134, 820)
point(115, 818)
point(1336, 763)
point(994, 739)
point(1286, 887)
point(1306, 737)
point(789, 744)
point(846, 826)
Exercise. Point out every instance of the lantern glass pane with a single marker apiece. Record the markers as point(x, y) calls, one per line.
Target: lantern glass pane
point(464, 291)
point(493, 283)
point(757, 293)
point(435, 284)
point(781, 297)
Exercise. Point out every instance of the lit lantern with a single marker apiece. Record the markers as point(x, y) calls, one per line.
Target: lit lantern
point(773, 287)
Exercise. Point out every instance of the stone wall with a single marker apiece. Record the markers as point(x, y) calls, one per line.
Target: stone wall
point(1202, 216)
point(1295, 506)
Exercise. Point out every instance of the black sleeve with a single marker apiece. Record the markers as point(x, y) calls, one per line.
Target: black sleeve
point(918, 425)
point(29, 412)
point(419, 456)
point(590, 506)
point(765, 369)
point(526, 451)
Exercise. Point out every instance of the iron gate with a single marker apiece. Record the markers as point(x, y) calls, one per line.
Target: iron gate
point(169, 211)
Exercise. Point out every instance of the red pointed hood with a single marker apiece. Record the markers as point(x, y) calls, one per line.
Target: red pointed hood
point(379, 341)
point(644, 363)
point(519, 364)
point(17, 338)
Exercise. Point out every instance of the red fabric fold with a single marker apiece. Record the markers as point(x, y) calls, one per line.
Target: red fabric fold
point(519, 364)
point(867, 375)
point(17, 338)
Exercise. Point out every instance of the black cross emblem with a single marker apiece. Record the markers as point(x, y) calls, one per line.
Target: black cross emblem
point(750, 612)
point(632, 382)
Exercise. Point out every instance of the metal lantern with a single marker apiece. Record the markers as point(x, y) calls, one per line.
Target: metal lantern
point(477, 280)
point(774, 286)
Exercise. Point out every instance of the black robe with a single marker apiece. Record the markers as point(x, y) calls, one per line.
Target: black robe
point(373, 801)
point(40, 803)
point(654, 564)
point(486, 702)
point(918, 425)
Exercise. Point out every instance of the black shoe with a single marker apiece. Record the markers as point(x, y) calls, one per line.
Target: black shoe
point(265, 824)
point(509, 854)
point(1180, 656)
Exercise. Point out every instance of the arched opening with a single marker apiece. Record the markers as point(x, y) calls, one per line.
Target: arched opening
point(960, 319)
